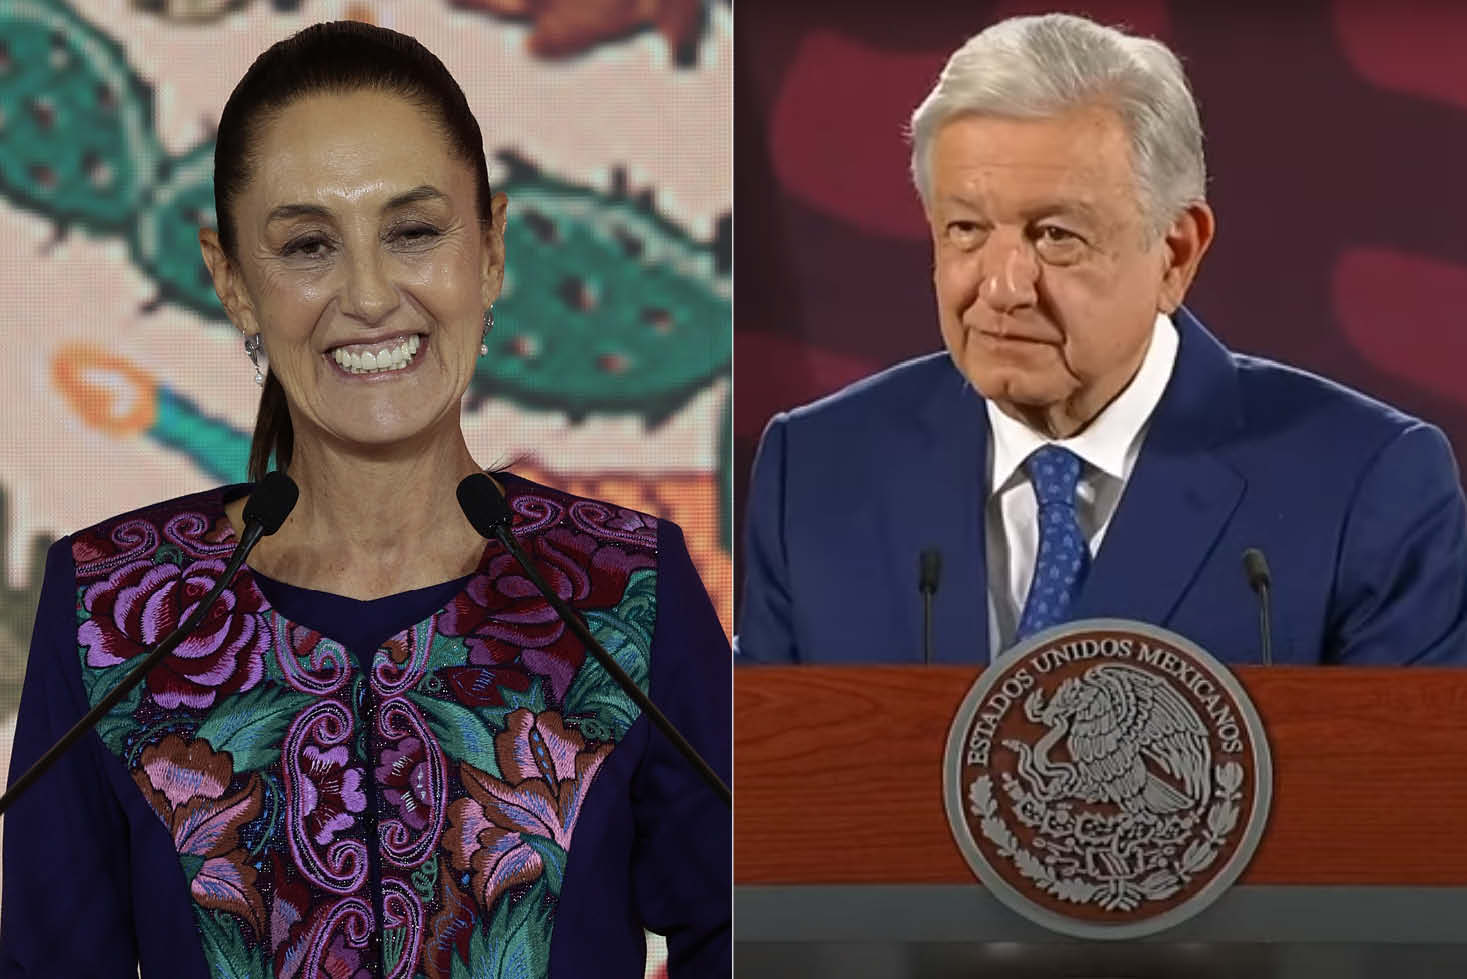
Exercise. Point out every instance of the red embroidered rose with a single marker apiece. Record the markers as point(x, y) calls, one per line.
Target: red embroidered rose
point(141, 602)
point(503, 618)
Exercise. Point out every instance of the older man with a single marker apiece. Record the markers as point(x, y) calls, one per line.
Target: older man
point(1085, 447)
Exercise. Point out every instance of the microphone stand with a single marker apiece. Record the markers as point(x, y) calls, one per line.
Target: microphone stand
point(578, 626)
point(269, 505)
point(485, 506)
point(252, 534)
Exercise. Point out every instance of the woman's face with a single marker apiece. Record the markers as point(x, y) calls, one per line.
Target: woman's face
point(363, 265)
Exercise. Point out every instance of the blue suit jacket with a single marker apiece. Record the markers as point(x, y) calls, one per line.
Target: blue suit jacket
point(1357, 506)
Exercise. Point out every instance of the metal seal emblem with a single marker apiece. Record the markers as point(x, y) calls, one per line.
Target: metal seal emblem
point(1107, 779)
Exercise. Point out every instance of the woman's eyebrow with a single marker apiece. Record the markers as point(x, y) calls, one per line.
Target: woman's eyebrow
point(424, 192)
point(420, 193)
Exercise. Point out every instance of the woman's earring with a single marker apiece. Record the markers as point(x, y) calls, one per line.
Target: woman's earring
point(488, 325)
point(252, 347)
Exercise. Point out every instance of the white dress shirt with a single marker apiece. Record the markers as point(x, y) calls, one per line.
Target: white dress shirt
point(1107, 447)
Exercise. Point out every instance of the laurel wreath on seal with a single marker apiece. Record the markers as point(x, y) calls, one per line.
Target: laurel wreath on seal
point(1222, 819)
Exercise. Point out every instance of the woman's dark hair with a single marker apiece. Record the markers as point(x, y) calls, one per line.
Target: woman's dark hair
point(336, 58)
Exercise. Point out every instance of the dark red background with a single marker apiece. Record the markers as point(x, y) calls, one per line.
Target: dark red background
point(1336, 141)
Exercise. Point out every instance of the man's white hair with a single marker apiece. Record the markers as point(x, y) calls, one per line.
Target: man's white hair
point(1042, 67)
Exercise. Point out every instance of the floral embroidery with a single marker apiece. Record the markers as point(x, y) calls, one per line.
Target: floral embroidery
point(182, 781)
point(140, 603)
point(494, 830)
point(332, 792)
point(404, 777)
point(503, 618)
point(462, 754)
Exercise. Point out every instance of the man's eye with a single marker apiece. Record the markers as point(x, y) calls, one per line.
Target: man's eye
point(1055, 234)
point(964, 232)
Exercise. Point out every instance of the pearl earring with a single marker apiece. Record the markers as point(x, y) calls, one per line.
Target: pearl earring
point(488, 325)
point(252, 344)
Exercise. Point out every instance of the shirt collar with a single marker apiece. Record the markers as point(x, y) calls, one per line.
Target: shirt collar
point(1112, 441)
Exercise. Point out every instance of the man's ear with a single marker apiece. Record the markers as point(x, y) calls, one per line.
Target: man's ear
point(1186, 241)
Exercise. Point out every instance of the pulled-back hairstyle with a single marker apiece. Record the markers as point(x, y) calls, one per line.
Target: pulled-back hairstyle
point(1040, 67)
point(334, 58)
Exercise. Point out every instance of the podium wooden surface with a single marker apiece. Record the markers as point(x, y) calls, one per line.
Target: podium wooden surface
point(838, 775)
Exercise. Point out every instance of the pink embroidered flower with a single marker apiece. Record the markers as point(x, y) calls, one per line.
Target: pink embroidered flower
point(547, 772)
point(503, 618)
point(343, 962)
point(140, 603)
point(405, 780)
point(185, 783)
point(330, 793)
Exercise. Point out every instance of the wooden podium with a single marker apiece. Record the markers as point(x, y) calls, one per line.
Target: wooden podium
point(844, 862)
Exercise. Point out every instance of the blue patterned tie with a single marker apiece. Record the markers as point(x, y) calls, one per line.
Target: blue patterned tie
point(1064, 556)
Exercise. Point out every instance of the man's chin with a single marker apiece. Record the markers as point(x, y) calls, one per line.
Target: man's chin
point(1028, 390)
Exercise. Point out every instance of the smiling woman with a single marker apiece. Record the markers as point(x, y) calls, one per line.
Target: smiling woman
point(383, 753)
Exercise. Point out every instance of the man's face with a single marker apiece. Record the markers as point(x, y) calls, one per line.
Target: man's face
point(1048, 282)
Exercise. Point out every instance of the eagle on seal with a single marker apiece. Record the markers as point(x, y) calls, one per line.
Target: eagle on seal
point(1115, 719)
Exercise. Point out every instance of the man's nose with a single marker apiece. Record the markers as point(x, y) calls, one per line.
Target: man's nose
point(1010, 278)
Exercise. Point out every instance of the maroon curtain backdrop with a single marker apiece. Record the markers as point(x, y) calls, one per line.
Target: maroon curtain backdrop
point(1336, 139)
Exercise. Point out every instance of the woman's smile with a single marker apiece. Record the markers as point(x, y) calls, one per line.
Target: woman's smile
point(379, 360)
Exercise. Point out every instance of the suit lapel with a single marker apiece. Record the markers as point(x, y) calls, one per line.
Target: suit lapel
point(1181, 493)
point(939, 504)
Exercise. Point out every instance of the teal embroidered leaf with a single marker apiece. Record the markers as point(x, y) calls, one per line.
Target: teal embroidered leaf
point(533, 698)
point(626, 632)
point(552, 857)
point(113, 728)
point(99, 683)
point(393, 940)
point(446, 651)
point(463, 734)
point(224, 948)
point(251, 726)
point(192, 862)
point(518, 941)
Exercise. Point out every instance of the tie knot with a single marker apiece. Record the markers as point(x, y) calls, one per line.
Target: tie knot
point(1055, 472)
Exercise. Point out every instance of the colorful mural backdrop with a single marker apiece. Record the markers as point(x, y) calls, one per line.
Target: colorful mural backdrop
point(1336, 137)
point(609, 126)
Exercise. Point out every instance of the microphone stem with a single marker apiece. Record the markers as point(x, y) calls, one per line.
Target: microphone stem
point(926, 627)
point(134, 676)
point(577, 626)
point(1265, 625)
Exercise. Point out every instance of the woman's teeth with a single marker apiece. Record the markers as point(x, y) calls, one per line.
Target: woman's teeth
point(370, 361)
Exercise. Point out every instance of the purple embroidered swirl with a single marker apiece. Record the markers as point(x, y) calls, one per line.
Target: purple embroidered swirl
point(614, 523)
point(343, 957)
point(187, 530)
point(328, 665)
point(137, 538)
point(538, 512)
point(321, 795)
point(412, 776)
point(401, 908)
point(390, 677)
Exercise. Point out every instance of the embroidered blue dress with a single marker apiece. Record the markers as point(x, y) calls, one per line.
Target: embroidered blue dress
point(437, 784)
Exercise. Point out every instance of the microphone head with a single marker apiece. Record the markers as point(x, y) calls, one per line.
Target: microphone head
point(1256, 567)
point(271, 502)
point(929, 569)
point(483, 504)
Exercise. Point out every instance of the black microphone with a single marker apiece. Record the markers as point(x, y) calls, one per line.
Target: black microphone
point(929, 569)
point(270, 503)
point(1256, 567)
point(488, 511)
